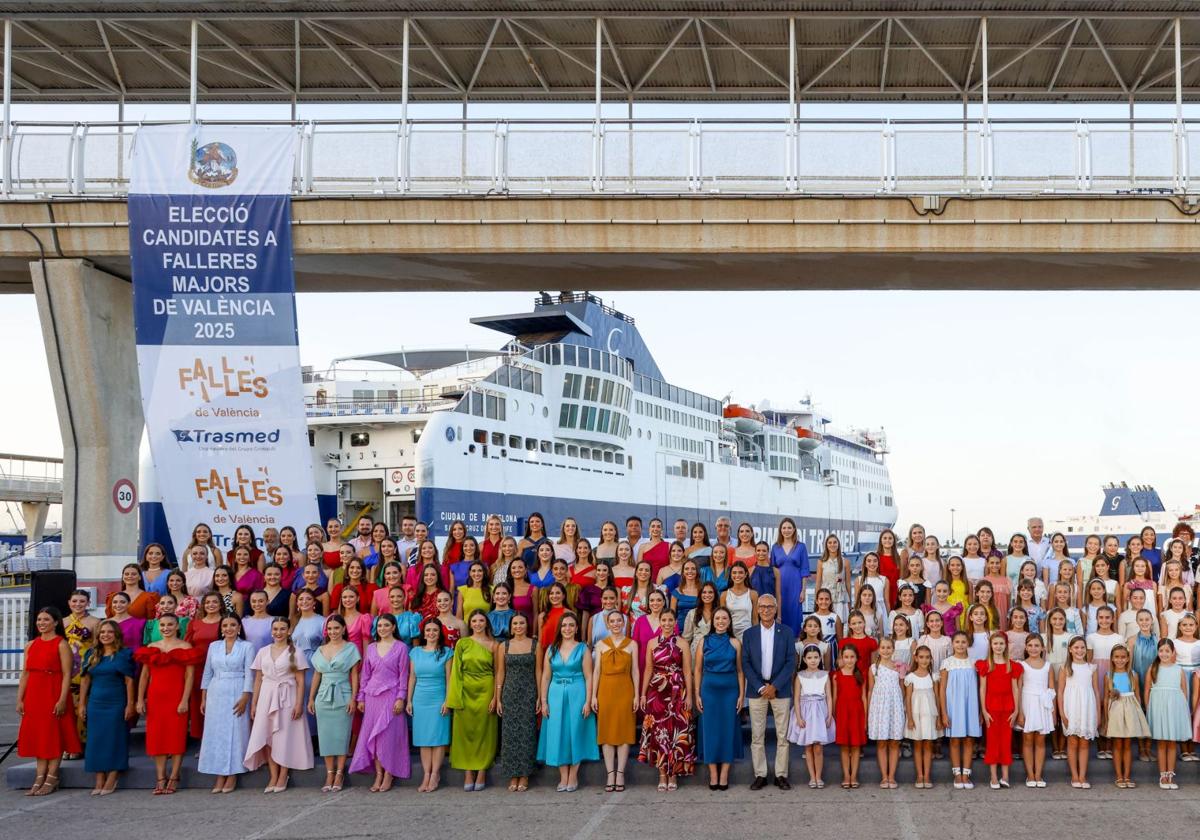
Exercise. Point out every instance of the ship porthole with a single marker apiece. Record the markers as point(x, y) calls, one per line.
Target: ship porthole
point(545, 411)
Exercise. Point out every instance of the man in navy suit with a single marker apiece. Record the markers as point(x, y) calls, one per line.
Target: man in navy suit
point(769, 663)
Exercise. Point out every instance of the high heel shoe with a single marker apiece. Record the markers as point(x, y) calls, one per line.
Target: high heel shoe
point(172, 785)
point(338, 778)
point(48, 787)
point(160, 785)
point(37, 783)
point(328, 786)
point(619, 787)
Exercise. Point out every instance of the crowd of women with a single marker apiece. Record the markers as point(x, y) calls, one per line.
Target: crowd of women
point(509, 652)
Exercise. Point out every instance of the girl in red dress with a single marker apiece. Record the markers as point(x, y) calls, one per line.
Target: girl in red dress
point(1000, 688)
point(850, 713)
point(201, 633)
point(164, 695)
point(857, 638)
point(44, 702)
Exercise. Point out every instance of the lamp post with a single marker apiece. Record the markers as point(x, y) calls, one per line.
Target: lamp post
point(951, 526)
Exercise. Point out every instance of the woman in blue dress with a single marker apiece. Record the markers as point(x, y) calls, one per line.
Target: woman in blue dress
point(225, 691)
point(790, 556)
point(427, 679)
point(720, 693)
point(106, 701)
point(568, 734)
point(331, 698)
point(308, 633)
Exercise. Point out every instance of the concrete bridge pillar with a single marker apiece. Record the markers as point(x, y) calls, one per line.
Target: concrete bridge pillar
point(87, 325)
point(34, 515)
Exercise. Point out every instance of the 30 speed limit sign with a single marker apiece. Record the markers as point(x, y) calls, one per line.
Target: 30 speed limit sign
point(124, 496)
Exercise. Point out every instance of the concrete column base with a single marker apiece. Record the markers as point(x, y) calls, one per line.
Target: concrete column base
point(34, 514)
point(87, 325)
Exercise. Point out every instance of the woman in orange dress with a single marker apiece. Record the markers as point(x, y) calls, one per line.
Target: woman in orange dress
point(164, 695)
point(142, 604)
point(44, 702)
point(556, 606)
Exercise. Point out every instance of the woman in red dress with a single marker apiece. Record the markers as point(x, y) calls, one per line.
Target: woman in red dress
point(44, 702)
point(164, 694)
point(493, 535)
point(889, 563)
point(201, 633)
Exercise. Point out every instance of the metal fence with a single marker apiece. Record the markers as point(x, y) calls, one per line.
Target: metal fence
point(658, 156)
point(14, 633)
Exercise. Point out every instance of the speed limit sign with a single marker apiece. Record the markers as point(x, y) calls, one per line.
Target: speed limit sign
point(124, 495)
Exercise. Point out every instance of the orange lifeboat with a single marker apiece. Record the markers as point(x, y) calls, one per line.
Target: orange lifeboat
point(809, 439)
point(745, 420)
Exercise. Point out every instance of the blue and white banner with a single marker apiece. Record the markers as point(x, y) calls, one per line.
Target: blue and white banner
point(215, 317)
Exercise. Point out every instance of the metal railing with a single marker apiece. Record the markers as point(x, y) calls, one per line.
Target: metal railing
point(657, 156)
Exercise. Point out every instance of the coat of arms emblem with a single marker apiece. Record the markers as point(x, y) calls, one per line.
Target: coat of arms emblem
point(212, 165)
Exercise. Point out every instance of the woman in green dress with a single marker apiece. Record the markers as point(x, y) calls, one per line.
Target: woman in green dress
point(518, 675)
point(331, 698)
point(471, 695)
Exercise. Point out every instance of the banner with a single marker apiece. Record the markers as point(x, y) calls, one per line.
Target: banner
point(215, 318)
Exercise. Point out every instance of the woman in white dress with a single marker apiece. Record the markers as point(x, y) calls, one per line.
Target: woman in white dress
point(1036, 717)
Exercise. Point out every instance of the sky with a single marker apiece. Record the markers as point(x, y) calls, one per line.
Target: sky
point(1000, 405)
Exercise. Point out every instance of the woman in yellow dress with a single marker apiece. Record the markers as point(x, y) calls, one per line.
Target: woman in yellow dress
point(614, 696)
point(471, 694)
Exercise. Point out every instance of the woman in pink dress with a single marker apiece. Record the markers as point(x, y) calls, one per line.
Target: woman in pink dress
point(358, 623)
point(279, 735)
point(383, 743)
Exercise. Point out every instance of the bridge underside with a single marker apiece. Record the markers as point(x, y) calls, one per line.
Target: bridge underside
point(685, 243)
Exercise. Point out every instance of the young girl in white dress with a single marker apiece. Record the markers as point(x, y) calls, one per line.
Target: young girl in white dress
point(935, 639)
point(885, 712)
point(831, 622)
point(810, 634)
point(1100, 644)
point(920, 707)
point(1079, 708)
point(1036, 719)
point(812, 725)
point(904, 642)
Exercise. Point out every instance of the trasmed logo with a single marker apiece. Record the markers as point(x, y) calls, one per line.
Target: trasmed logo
point(212, 165)
point(202, 437)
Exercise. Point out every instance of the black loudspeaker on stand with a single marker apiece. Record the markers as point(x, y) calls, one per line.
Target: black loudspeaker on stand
point(50, 588)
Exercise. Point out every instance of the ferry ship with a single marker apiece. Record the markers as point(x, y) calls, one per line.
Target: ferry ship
point(572, 417)
point(1125, 512)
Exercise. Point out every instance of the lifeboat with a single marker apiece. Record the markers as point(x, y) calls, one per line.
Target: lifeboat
point(745, 420)
point(809, 439)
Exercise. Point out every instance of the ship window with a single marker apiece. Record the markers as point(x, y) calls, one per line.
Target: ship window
point(360, 438)
point(492, 411)
point(597, 455)
point(560, 449)
point(619, 458)
point(602, 420)
point(584, 357)
point(514, 441)
point(700, 471)
point(630, 462)
point(608, 457)
point(563, 413)
point(537, 382)
point(464, 406)
point(500, 377)
point(595, 360)
point(477, 403)
point(606, 394)
point(556, 354)
point(573, 417)
point(545, 446)
point(526, 380)
point(639, 432)
point(497, 438)
point(479, 436)
point(573, 451)
point(531, 444)
point(585, 453)
point(591, 388)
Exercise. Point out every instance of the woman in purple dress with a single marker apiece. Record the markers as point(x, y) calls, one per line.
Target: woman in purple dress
point(383, 743)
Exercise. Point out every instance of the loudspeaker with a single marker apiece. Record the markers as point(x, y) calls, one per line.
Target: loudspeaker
point(49, 588)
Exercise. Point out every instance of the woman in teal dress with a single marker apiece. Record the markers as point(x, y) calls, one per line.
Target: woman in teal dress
point(471, 695)
point(568, 735)
point(331, 698)
point(518, 678)
point(106, 702)
point(720, 691)
point(427, 679)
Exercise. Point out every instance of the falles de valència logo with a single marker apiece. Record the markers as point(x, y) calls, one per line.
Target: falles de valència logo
point(212, 165)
